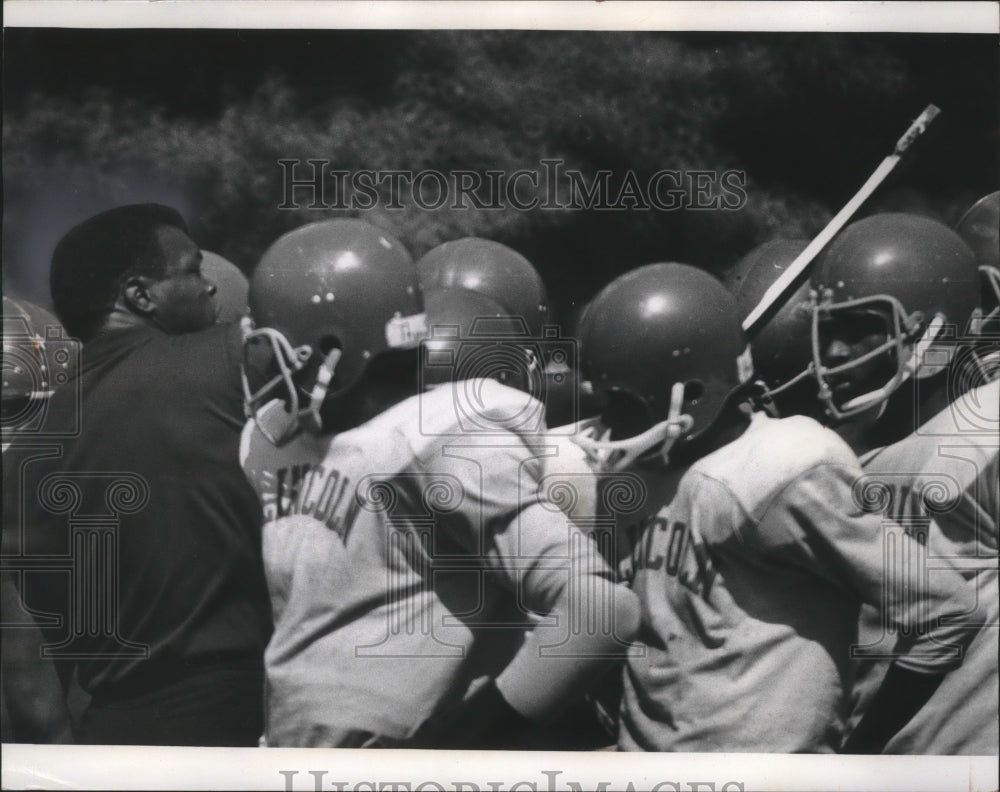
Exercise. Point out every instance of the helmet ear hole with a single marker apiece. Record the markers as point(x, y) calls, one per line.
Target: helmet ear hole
point(625, 414)
point(326, 344)
point(693, 390)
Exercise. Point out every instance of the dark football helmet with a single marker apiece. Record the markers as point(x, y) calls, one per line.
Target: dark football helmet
point(38, 357)
point(781, 345)
point(466, 339)
point(663, 344)
point(911, 276)
point(980, 228)
point(327, 299)
point(493, 270)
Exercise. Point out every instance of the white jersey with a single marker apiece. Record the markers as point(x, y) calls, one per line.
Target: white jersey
point(396, 563)
point(750, 582)
point(610, 507)
point(941, 483)
point(570, 479)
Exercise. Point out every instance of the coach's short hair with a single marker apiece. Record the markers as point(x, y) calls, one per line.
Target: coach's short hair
point(93, 258)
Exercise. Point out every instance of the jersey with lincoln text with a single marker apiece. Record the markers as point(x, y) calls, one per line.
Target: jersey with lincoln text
point(396, 563)
point(941, 484)
point(750, 582)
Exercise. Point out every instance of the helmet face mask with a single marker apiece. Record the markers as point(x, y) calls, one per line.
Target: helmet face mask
point(877, 335)
point(288, 385)
point(328, 299)
point(984, 329)
point(986, 319)
point(769, 396)
point(650, 446)
point(980, 228)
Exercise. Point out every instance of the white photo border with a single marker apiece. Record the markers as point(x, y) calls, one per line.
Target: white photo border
point(127, 767)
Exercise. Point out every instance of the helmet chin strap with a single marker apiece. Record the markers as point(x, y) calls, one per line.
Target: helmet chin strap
point(310, 415)
point(613, 456)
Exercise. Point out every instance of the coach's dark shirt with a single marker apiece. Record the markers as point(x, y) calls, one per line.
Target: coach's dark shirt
point(161, 415)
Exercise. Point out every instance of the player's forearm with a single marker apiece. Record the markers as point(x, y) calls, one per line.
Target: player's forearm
point(556, 661)
point(940, 609)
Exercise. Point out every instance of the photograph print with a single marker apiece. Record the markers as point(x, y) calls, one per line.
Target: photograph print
point(526, 390)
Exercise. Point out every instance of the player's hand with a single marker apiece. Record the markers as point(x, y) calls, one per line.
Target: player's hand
point(482, 720)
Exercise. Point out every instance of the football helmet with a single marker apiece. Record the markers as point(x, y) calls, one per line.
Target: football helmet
point(663, 344)
point(232, 286)
point(466, 335)
point(327, 299)
point(980, 228)
point(38, 357)
point(492, 269)
point(911, 275)
point(781, 346)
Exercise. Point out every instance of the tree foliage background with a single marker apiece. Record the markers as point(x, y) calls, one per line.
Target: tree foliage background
point(199, 119)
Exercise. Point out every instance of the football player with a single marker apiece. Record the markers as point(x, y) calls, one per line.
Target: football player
point(403, 528)
point(500, 273)
point(32, 706)
point(486, 307)
point(980, 228)
point(751, 576)
point(494, 326)
point(478, 285)
point(893, 296)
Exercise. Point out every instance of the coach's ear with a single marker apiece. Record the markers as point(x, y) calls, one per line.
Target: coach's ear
point(135, 294)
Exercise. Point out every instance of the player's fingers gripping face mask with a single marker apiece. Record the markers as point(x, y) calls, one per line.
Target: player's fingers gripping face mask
point(890, 297)
point(326, 300)
point(663, 344)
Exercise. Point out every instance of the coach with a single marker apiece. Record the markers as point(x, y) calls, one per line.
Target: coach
point(172, 654)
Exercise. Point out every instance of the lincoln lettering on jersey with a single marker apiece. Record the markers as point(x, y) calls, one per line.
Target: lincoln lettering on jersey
point(674, 548)
point(312, 491)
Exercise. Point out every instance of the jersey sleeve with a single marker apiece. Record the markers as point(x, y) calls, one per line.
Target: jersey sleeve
point(504, 517)
point(570, 481)
point(836, 532)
